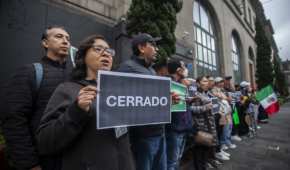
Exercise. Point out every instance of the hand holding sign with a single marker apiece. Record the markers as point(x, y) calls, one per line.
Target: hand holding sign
point(180, 91)
point(175, 98)
point(86, 97)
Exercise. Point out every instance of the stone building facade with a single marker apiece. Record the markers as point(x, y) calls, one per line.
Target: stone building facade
point(223, 46)
point(213, 36)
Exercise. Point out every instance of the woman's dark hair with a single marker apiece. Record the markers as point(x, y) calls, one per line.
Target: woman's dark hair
point(80, 70)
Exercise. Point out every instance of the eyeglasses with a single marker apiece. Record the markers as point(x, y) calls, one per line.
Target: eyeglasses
point(101, 50)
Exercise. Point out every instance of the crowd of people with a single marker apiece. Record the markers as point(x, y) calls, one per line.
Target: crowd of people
point(49, 112)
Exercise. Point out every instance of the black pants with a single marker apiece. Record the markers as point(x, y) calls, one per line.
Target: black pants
point(219, 131)
point(243, 127)
point(201, 155)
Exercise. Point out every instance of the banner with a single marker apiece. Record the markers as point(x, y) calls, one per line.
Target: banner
point(181, 90)
point(127, 99)
point(268, 99)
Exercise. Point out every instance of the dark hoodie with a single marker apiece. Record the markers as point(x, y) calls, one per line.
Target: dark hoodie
point(67, 130)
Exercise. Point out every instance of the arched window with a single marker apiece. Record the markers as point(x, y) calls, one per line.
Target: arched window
point(251, 54)
point(236, 56)
point(205, 41)
point(251, 65)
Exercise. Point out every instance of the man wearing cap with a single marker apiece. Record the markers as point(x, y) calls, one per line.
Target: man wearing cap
point(227, 84)
point(226, 136)
point(148, 142)
point(229, 89)
point(247, 109)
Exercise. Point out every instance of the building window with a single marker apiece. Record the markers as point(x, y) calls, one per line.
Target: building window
point(254, 22)
point(250, 16)
point(236, 59)
point(205, 41)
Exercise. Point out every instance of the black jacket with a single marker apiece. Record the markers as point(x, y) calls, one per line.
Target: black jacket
point(67, 129)
point(23, 107)
point(138, 65)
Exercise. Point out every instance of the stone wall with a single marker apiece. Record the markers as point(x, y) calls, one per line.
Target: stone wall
point(228, 15)
point(226, 20)
point(109, 9)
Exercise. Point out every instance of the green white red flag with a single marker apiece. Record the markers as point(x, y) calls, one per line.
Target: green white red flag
point(268, 99)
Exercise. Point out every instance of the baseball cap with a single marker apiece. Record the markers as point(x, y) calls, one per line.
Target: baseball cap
point(244, 84)
point(228, 77)
point(143, 38)
point(218, 79)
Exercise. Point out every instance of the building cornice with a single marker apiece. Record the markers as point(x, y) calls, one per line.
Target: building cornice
point(246, 27)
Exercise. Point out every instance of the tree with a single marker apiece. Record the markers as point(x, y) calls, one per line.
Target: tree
point(158, 18)
point(264, 72)
point(279, 78)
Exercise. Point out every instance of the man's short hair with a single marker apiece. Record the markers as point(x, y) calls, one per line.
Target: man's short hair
point(173, 65)
point(45, 33)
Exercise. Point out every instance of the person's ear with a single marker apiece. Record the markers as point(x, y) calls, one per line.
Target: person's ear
point(44, 43)
point(141, 48)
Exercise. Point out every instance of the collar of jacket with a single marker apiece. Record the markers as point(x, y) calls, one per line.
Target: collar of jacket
point(142, 61)
point(49, 61)
point(87, 82)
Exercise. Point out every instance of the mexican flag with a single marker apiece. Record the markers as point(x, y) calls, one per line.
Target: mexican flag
point(268, 100)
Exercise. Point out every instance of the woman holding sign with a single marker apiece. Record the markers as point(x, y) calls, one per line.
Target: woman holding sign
point(68, 126)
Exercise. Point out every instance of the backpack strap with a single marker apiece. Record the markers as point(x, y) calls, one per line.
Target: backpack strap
point(72, 54)
point(38, 74)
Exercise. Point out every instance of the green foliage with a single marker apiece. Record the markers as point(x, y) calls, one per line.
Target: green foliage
point(2, 141)
point(282, 100)
point(158, 18)
point(280, 84)
point(264, 72)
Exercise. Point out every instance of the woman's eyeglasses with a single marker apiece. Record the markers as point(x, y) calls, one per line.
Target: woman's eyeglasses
point(101, 50)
